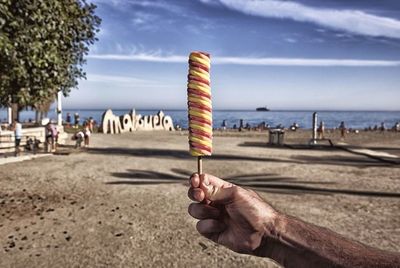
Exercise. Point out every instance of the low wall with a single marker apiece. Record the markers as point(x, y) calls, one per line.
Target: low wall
point(7, 137)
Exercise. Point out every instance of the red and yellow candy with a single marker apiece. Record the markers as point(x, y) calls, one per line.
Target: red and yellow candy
point(199, 104)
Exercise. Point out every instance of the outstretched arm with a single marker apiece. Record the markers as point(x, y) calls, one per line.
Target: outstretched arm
point(240, 220)
point(300, 244)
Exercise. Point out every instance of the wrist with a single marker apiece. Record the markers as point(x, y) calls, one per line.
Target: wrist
point(272, 237)
point(275, 226)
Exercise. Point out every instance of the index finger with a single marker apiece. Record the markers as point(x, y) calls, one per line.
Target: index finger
point(208, 179)
point(194, 180)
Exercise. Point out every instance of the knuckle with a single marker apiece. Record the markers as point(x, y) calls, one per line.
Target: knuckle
point(236, 190)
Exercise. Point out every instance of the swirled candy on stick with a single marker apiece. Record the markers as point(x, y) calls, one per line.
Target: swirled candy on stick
point(199, 106)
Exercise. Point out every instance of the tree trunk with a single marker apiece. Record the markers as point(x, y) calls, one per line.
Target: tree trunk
point(15, 111)
point(37, 116)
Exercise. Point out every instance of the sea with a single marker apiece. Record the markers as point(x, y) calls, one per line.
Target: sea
point(285, 118)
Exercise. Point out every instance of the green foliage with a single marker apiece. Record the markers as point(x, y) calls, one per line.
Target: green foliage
point(42, 48)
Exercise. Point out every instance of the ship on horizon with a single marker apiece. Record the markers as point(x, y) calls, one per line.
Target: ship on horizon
point(262, 109)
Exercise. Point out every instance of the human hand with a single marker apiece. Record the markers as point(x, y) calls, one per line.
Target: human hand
point(230, 215)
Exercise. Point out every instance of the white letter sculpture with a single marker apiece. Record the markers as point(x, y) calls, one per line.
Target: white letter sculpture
point(114, 124)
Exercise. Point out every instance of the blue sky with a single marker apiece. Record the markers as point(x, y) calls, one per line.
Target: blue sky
point(299, 54)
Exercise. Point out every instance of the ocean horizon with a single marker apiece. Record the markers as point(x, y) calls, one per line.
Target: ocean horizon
point(332, 118)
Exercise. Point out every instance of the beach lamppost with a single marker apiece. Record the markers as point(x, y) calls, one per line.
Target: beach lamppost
point(9, 114)
point(315, 123)
point(59, 109)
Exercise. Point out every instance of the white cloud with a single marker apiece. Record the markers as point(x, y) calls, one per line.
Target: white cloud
point(122, 4)
point(261, 61)
point(306, 62)
point(123, 80)
point(290, 40)
point(210, 2)
point(145, 21)
point(140, 57)
point(108, 2)
point(354, 21)
point(157, 4)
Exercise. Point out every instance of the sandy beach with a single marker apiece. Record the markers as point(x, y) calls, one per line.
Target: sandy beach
point(123, 201)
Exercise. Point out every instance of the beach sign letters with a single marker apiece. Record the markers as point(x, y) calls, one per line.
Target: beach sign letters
point(114, 124)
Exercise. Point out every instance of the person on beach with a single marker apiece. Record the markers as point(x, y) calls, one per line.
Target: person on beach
point(77, 120)
point(343, 130)
point(17, 128)
point(242, 221)
point(223, 125)
point(51, 137)
point(321, 130)
point(87, 133)
point(90, 123)
point(396, 127)
point(241, 126)
point(262, 126)
point(78, 137)
point(383, 127)
point(68, 120)
point(294, 126)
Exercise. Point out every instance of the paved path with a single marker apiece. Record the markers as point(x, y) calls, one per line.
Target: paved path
point(13, 159)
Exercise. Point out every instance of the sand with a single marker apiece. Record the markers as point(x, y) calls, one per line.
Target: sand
point(123, 202)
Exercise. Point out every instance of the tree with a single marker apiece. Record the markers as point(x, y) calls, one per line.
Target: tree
point(42, 48)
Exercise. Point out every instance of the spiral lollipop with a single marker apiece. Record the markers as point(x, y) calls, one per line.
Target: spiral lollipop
point(199, 106)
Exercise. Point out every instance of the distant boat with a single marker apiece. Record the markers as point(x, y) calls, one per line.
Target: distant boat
point(262, 109)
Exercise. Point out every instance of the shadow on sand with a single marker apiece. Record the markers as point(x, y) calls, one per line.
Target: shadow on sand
point(258, 144)
point(356, 160)
point(323, 147)
point(271, 183)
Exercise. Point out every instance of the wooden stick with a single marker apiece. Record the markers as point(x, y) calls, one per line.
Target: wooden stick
point(199, 165)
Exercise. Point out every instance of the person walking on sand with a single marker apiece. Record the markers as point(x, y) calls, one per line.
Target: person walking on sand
point(242, 221)
point(17, 127)
point(343, 130)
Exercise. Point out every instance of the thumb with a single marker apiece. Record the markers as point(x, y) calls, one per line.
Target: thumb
point(220, 194)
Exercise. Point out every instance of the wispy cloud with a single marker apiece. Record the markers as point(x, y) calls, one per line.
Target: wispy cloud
point(261, 61)
point(145, 21)
point(123, 4)
point(123, 80)
point(157, 4)
point(353, 21)
point(290, 40)
point(306, 62)
point(140, 57)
